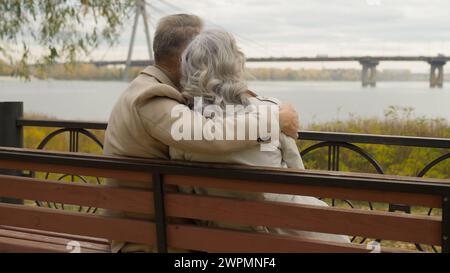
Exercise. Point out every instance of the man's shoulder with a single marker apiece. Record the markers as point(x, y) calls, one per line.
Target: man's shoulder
point(157, 74)
point(145, 88)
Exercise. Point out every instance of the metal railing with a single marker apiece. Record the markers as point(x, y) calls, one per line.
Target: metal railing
point(331, 140)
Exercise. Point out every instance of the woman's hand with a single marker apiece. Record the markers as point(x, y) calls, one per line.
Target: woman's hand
point(289, 122)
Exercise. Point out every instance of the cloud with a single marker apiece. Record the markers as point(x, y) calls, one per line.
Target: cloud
point(311, 27)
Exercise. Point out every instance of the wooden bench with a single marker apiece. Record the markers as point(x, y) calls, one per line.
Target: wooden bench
point(38, 229)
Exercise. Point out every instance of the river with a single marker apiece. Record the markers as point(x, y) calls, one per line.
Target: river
point(315, 101)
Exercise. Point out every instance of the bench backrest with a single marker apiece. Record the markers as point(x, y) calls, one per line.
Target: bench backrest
point(421, 229)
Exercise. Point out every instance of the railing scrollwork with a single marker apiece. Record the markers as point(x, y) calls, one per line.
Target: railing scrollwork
point(74, 140)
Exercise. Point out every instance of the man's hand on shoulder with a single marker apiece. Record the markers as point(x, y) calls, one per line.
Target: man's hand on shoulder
point(289, 121)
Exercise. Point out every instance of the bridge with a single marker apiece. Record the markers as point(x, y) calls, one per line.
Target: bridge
point(368, 63)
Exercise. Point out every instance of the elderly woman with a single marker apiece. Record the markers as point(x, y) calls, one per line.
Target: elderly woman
point(213, 69)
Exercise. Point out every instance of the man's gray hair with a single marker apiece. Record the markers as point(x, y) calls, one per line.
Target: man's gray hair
point(212, 67)
point(173, 34)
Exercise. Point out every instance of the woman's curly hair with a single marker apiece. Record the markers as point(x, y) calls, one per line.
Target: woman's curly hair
point(212, 67)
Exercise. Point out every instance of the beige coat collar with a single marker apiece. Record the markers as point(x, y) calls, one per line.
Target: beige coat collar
point(159, 75)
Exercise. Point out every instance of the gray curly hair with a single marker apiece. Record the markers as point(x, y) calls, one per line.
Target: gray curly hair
point(212, 67)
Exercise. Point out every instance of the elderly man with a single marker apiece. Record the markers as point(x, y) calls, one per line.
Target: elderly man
point(140, 123)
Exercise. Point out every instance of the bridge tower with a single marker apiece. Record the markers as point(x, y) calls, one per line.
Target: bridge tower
point(140, 10)
point(437, 72)
point(369, 72)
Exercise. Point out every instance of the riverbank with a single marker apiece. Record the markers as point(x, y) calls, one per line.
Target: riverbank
point(396, 160)
point(91, 72)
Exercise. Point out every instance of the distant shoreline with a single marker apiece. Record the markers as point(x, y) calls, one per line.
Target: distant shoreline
point(88, 72)
point(10, 78)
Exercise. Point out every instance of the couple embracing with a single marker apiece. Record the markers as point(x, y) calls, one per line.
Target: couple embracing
point(196, 66)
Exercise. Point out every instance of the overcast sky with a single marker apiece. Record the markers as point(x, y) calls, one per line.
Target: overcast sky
point(266, 28)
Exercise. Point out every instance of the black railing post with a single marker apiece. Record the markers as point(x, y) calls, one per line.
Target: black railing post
point(11, 135)
point(160, 214)
point(446, 224)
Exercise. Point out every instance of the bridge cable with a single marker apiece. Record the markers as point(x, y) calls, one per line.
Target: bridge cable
point(244, 40)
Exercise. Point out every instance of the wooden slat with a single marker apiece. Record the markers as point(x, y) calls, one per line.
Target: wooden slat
point(87, 171)
point(13, 245)
point(94, 240)
point(197, 238)
point(78, 155)
point(81, 156)
point(221, 240)
point(306, 190)
point(114, 198)
point(347, 174)
point(372, 224)
point(37, 238)
point(202, 165)
point(138, 231)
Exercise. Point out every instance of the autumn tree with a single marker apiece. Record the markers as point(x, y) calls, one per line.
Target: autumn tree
point(40, 33)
